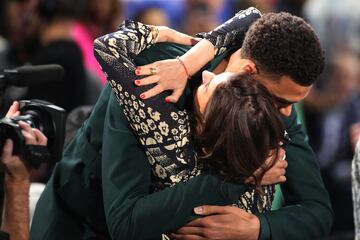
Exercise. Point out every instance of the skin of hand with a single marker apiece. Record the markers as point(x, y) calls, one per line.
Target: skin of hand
point(225, 223)
point(16, 182)
point(171, 74)
point(276, 174)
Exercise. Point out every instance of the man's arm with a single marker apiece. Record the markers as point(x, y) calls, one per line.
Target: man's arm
point(16, 181)
point(16, 202)
point(132, 212)
point(306, 214)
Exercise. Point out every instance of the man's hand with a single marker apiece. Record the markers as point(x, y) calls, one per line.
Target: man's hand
point(13, 110)
point(276, 174)
point(15, 169)
point(17, 182)
point(220, 222)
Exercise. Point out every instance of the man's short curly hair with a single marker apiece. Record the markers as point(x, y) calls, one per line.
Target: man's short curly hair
point(283, 44)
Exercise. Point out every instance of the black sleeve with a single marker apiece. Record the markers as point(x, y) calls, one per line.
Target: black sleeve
point(232, 32)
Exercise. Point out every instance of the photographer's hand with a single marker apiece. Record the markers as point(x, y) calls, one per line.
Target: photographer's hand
point(13, 110)
point(16, 181)
point(16, 186)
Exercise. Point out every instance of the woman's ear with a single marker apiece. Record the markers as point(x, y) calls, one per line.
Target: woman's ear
point(207, 76)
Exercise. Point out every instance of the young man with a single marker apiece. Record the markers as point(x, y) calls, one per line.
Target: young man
point(129, 205)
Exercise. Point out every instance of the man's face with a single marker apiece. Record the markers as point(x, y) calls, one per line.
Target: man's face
point(285, 91)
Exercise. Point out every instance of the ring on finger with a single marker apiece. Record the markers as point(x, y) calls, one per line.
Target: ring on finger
point(153, 71)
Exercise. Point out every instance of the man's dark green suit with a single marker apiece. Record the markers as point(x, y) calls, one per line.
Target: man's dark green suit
point(104, 174)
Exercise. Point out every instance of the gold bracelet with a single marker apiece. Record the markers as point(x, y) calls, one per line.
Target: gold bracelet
point(155, 33)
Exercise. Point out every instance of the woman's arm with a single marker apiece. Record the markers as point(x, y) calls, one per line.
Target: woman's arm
point(232, 32)
point(227, 35)
point(162, 129)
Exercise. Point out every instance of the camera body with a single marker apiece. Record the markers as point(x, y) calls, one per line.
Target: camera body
point(42, 115)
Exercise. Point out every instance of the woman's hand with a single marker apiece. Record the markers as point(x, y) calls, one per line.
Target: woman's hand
point(173, 74)
point(167, 74)
point(276, 174)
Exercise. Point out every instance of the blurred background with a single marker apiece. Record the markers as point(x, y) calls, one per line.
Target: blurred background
point(62, 32)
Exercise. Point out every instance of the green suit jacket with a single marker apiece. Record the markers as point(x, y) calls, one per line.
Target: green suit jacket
point(101, 188)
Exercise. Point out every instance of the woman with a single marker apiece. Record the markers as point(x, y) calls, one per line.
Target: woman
point(164, 130)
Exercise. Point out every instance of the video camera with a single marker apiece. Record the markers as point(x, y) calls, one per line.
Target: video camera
point(42, 115)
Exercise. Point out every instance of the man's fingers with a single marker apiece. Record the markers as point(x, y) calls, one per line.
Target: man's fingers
point(281, 164)
point(32, 135)
point(186, 237)
point(40, 137)
point(13, 110)
point(174, 97)
point(282, 179)
point(29, 138)
point(281, 154)
point(148, 80)
point(7, 149)
point(208, 210)
point(189, 230)
point(152, 92)
point(285, 164)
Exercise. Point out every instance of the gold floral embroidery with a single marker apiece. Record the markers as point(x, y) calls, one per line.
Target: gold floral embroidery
point(164, 128)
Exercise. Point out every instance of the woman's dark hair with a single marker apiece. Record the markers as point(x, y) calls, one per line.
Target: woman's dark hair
point(239, 129)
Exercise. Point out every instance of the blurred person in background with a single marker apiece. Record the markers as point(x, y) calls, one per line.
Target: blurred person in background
point(20, 28)
point(15, 223)
point(20, 32)
point(200, 17)
point(96, 19)
point(332, 109)
point(153, 15)
point(177, 9)
point(355, 180)
point(58, 47)
point(294, 7)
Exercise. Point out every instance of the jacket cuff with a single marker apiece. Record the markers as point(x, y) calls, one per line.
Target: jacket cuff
point(265, 232)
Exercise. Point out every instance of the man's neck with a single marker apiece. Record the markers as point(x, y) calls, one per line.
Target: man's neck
point(221, 67)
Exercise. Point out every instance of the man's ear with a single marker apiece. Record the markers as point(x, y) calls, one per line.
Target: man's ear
point(207, 76)
point(250, 67)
